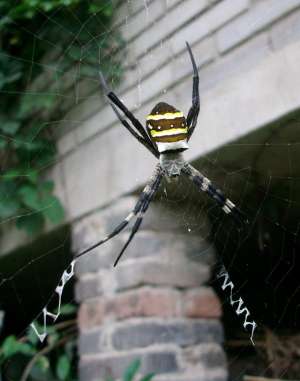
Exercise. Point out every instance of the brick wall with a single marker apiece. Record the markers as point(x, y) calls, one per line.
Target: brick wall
point(155, 305)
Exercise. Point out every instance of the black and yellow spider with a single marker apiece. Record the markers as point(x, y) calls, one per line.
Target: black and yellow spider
point(166, 136)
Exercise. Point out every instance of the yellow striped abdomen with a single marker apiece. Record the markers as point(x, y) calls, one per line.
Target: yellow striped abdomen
point(167, 128)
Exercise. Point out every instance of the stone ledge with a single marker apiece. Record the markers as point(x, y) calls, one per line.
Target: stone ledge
point(258, 17)
point(286, 31)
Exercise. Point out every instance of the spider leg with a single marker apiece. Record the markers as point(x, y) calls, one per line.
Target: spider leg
point(144, 196)
point(204, 184)
point(125, 123)
point(139, 220)
point(115, 101)
point(193, 113)
point(139, 205)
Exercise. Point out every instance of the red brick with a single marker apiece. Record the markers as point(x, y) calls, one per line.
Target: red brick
point(201, 303)
point(90, 314)
point(144, 301)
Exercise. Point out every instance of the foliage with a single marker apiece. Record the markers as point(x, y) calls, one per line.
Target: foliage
point(41, 42)
point(27, 359)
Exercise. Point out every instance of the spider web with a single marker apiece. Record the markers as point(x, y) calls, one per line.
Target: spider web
point(264, 182)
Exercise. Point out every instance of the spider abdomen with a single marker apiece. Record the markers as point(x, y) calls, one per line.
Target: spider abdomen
point(167, 128)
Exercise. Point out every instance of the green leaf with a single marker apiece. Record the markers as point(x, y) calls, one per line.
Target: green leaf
point(68, 309)
point(31, 223)
point(131, 371)
point(15, 173)
point(75, 52)
point(108, 10)
point(43, 363)
point(12, 346)
point(41, 371)
point(32, 176)
point(12, 174)
point(9, 203)
point(32, 336)
point(30, 197)
point(9, 207)
point(63, 368)
point(10, 127)
point(3, 143)
point(30, 146)
point(148, 377)
point(31, 103)
point(4, 21)
point(47, 186)
point(53, 209)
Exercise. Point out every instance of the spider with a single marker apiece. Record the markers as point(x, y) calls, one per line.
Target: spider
point(166, 136)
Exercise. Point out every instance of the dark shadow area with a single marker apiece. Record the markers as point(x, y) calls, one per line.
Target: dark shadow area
point(261, 173)
point(32, 273)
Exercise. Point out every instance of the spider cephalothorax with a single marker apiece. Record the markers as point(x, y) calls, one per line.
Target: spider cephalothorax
point(167, 128)
point(166, 135)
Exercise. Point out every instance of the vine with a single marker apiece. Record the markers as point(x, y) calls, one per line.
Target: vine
point(40, 48)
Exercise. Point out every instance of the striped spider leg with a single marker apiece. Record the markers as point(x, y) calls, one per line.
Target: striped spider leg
point(138, 211)
point(204, 184)
point(192, 117)
point(140, 133)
